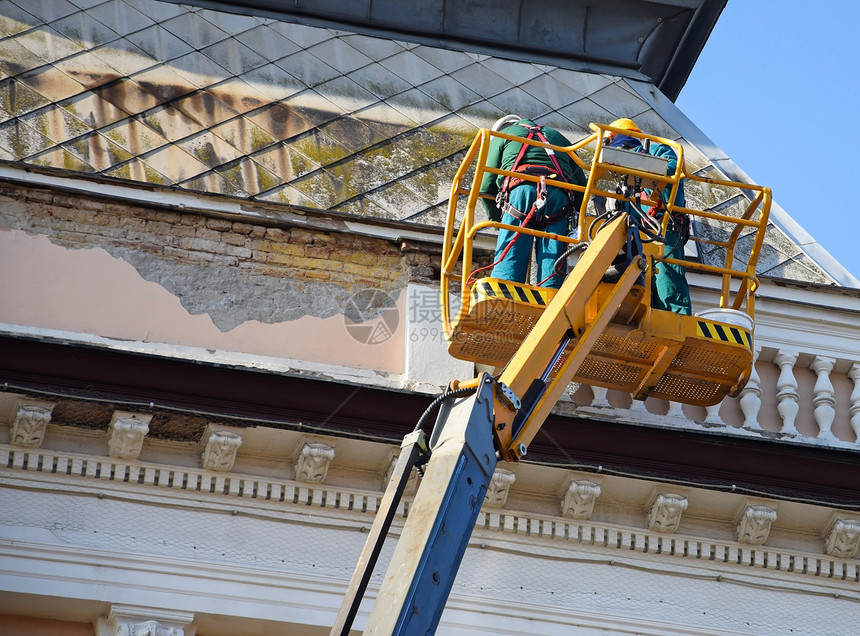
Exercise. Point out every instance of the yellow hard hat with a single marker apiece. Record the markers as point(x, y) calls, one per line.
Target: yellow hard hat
point(625, 124)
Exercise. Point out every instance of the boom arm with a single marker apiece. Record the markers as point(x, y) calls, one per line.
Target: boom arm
point(500, 419)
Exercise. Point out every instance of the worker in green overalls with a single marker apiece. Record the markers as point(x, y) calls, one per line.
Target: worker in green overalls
point(670, 291)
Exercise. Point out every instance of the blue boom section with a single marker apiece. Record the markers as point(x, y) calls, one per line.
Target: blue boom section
point(434, 539)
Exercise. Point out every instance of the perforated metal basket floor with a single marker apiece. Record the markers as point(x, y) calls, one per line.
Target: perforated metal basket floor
point(678, 358)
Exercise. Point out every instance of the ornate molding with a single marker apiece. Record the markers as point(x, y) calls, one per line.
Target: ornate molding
point(411, 483)
point(843, 538)
point(499, 488)
point(313, 462)
point(58, 466)
point(665, 513)
point(30, 424)
point(579, 498)
point(130, 620)
point(126, 434)
point(220, 451)
point(754, 524)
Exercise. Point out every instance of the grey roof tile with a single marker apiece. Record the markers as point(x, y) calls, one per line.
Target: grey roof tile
point(14, 19)
point(59, 157)
point(583, 83)
point(52, 83)
point(238, 94)
point(86, 4)
point(481, 80)
point(17, 98)
point(159, 43)
point(56, 124)
point(123, 56)
point(123, 18)
point(244, 135)
point(205, 108)
point(198, 69)
point(375, 48)
point(552, 92)
point(80, 27)
point(515, 72)
point(280, 121)
point(443, 59)
point(127, 95)
point(16, 59)
point(157, 10)
point(376, 79)
point(416, 106)
point(87, 69)
point(284, 112)
point(234, 56)
point(345, 95)
point(286, 161)
point(46, 10)
point(171, 123)
point(45, 42)
point(273, 82)
point(134, 136)
point(211, 182)
point(584, 111)
point(137, 170)
point(98, 151)
point(174, 163)
point(163, 83)
point(617, 101)
point(307, 68)
point(22, 140)
point(351, 133)
point(302, 35)
point(339, 55)
point(231, 23)
point(263, 38)
point(325, 149)
point(410, 67)
point(209, 149)
point(249, 177)
point(286, 194)
point(397, 201)
point(449, 93)
point(333, 185)
point(518, 101)
point(194, 29)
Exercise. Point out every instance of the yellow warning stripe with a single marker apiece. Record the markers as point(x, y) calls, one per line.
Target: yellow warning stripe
point(724, 332)
point(491, 288)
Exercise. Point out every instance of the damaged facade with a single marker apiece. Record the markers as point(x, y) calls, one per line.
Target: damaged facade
point(220, 250)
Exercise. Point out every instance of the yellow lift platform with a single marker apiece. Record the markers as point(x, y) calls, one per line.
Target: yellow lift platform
point(611, 335)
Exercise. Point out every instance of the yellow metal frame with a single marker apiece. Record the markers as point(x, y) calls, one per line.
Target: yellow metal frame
point(594, 330)
point(457, 248)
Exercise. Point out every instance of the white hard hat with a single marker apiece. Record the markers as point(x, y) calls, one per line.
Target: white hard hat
point(506, 121)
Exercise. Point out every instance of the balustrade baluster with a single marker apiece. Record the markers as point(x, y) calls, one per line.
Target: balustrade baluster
point(824, 400)
point(854, 408)
point(750, 399)
point(787, 394)
point(600, 399)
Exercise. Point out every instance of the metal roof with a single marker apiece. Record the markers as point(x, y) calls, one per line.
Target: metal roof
point(660, 39)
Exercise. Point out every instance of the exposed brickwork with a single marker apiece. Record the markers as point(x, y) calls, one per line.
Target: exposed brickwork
point(296, 253)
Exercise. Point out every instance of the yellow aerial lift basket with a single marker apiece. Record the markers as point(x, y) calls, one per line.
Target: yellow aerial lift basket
point(633, 348)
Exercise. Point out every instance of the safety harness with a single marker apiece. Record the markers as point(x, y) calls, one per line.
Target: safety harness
point(536, 170)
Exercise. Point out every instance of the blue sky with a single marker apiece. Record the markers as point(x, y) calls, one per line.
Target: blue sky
point(776, 88)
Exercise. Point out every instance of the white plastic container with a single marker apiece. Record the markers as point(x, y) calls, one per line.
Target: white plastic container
point(729, 316)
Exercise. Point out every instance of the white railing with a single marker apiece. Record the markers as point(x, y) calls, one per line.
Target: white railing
point(791, 396)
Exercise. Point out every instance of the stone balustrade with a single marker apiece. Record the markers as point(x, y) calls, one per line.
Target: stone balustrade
point(791, 396)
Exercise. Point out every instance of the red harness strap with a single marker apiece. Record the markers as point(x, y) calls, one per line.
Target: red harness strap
point(510, 183)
